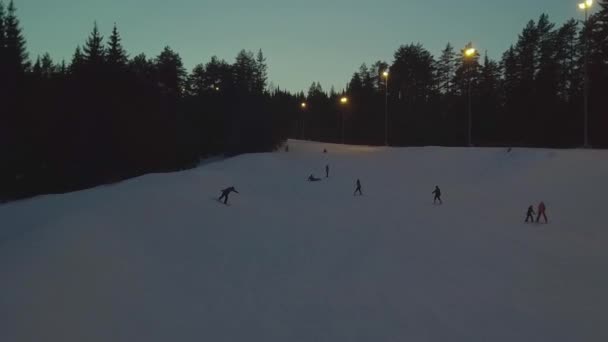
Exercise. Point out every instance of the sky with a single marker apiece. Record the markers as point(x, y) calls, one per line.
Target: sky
point(304, 41)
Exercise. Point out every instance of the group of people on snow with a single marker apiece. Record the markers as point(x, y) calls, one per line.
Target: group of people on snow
point(437, 196)
point(541, 213)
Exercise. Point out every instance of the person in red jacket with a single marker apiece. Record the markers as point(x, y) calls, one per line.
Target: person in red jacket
point(542, 212)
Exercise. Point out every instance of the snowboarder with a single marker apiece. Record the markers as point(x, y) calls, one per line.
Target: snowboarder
point(437, 194)
point(225, 193)
point(326, 171)
point(530, 214)
point(312, 178)
point(358, 189)
point(541, 212)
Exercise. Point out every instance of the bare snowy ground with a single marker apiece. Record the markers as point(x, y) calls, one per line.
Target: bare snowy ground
point(158, 259)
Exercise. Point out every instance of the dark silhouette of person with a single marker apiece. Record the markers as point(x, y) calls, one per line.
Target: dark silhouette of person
point(530, 214)
point(326, 171)
point(324, 150)
point(358, 189)
point(312, 178)
point(542, 212)
point(286, 148)
point(225, 193)
point(437, 194)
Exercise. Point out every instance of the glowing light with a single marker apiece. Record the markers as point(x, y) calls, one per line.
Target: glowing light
point(303, 105)
point(582, 6)
point(470, 52)
point(589, 3)
point(344, 100)
point(585, 5)
point(385, 74)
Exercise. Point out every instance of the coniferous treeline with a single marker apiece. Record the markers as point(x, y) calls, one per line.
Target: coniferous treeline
point(105, 115)
point(533, 96)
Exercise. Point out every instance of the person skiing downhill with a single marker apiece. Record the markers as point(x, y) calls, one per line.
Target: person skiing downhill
point(358, 189)
point(326, 171)
point(530, 214)
point(225, 193)
point(541, 212)
point(437, 194)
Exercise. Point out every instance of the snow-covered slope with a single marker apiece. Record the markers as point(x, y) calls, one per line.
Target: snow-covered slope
point(157, 258)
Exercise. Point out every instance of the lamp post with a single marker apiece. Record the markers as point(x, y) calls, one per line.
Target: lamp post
point(586, 5)
point(303, 105)
point(385, 75)
point(343, 102)
point(469, 54)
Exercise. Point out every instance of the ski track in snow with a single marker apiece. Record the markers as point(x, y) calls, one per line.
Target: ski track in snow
point(155, 259)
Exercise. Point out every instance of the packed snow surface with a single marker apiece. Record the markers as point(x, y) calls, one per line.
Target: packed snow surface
point(157, 258)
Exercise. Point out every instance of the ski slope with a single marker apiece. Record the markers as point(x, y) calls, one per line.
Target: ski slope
point(157, 258)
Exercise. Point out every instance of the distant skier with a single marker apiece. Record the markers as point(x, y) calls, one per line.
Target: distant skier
point(326, 171)
point(437, 194)
point(358, 189)
point(312, 178)
point(530, 214)
point(324, 150)
point(542, 212)
point(225, 193)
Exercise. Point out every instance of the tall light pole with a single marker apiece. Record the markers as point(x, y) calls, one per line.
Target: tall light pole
point(469, 54)
point(303, 105)
point(586, 6)
point(385, 75)
point(343, 102)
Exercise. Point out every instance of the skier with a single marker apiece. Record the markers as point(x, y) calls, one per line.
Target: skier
point(437, 194)
point(312, 178)
point(324, 150)
point(358, 189)
point(541, 212)
point(225, 193)
point(326, 171)
point(530, 214)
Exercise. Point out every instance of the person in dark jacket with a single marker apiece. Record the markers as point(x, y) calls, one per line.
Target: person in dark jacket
point(312, 178)
point(225, 193)
point(437, 194)
point(530, 214)
point(326, 171)
point(358, 189)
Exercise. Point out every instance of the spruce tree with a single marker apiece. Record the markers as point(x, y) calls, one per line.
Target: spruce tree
point(15, 55)
point(117, 56)
point(261, 74)
point(93, 51)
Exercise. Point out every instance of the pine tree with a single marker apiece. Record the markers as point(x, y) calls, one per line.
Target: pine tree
point(47, 67)
point(93, 51)
point(261, 75)
point(170, 72)
point(446, 67)
point(116, 56)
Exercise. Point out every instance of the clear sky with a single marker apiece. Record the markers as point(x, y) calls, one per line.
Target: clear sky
point(304, 41)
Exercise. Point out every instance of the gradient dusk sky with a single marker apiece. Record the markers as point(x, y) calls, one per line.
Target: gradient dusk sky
point(304, 41)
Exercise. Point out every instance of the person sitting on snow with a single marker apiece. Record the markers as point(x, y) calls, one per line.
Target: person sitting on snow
point(312, 178)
